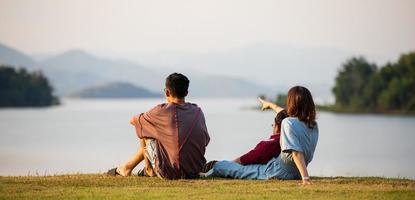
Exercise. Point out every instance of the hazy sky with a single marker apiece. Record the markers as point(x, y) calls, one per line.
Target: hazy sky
point(371, 27)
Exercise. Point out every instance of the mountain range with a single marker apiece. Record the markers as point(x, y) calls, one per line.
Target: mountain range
point(76, 70)
point(13, 57)
point(262, 68)
point(276, 66)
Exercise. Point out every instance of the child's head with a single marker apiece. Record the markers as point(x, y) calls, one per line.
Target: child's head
point(278, 120)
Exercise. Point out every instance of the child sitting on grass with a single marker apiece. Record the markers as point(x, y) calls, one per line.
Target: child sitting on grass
point(266, 149)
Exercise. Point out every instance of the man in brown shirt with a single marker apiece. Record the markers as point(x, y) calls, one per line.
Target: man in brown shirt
point(173, 136)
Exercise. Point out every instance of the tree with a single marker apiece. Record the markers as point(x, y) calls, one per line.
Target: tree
point(399, 84)
point(350, 82)
point(281, 100)
point(18, 88)
point(361, 87)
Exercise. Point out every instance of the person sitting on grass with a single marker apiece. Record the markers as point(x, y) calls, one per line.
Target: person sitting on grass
point(299, 136)
point(173, 136)
point(266, 149)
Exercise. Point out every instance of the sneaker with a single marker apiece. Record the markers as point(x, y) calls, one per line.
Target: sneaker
point(208, 166)
point(141, 172)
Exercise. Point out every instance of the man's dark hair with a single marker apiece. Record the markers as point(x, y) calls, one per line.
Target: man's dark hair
point(177, 84)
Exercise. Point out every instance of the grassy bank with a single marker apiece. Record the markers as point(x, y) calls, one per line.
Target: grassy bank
point(100, 186)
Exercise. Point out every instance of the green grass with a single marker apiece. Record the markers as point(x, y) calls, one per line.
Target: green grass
point(103, 187)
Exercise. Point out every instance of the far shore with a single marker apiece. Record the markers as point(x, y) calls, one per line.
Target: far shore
point(336, 109)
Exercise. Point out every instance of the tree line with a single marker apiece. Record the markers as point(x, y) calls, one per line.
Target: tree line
point(20, 88)
point(361, 86)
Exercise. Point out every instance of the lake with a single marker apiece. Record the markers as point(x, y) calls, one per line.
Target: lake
point(91, 136)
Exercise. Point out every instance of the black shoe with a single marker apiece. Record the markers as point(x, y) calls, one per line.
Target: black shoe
point(113, 172)
point(208, 166)
point(141, 172)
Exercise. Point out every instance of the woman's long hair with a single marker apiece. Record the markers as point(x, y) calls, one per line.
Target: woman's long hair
point(300, 104)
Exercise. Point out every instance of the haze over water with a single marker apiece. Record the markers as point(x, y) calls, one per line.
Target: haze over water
point(91, 136)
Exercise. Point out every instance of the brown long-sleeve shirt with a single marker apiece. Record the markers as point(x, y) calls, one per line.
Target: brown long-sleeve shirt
point(181, 135)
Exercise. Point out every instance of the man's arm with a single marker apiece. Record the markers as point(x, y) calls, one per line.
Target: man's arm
point(300, 163)
point(145, 123)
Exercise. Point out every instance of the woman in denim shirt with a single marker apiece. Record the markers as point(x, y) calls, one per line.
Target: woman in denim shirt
point(299, 135)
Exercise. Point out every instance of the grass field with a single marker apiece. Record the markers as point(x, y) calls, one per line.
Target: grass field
point(93, 186)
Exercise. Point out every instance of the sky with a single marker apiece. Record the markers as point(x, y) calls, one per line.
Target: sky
point(377, 28)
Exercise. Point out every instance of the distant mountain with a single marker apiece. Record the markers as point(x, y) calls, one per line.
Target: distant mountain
point(273, 65)
point(13, 57)
point(115, 90)
point(223, 86)
point(74, 70)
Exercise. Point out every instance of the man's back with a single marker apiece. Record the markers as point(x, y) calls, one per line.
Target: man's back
point(181, 135)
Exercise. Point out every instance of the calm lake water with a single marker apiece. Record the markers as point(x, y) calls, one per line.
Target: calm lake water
point(91, 136)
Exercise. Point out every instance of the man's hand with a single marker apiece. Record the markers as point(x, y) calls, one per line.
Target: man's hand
point(133, 120)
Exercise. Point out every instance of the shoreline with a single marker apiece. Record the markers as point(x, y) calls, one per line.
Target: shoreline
point(335, 109)
point(330, 109)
